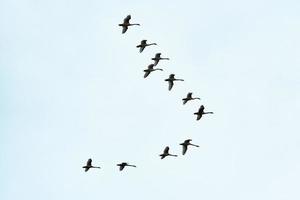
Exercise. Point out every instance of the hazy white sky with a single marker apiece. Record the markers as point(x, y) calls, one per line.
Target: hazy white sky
point(72, 88)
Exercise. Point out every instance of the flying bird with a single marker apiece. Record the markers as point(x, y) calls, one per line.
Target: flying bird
point(157, 58)
point(150, 69)
point(89, 165)
point(201, 112)
point(171, 80)
point(166, 153)
point(123, 165)
point(188, 98)
point(143, 45)
point(185, 145)
point(126, 24)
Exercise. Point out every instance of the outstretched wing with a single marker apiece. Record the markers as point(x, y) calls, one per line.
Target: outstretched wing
point(199, 116)
point(185, 100)
point(126, 19)
point(122, 167)
point(147, 72)
point(170, 85)
point(89, 162)
point(201, 109)
point(189, 95)
point(143, 42)
point(166, 150)
point(142, 49)
point(124, 29)
point(157, 55)
point(156, 62)
point(184, 148)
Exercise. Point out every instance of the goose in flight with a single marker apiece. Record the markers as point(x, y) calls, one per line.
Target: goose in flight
point(171, 80)
point(185, 145)
point(166, 153)
point(150, 69)
point(89, 165)
point(126, 23)
point(157, 58)
point(143, 45)
point(124, 164)
point(201, 112)
point(189, 97)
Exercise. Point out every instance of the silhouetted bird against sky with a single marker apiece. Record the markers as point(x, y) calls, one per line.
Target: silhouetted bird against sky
point(89, 165)
point(171, 80)
point(143, 45)
point(185, 145)
point(124, 164)
point(166, 153)
point(150, 69)
point(126, 23)
point(188, 98)
point(201, 112)
point(157, 58)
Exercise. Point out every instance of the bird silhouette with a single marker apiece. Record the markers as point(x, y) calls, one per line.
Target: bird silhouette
point(201, 112)
point(126, 24)
point(157, 58)
point(166, 153)
point(143, 45)
point(150, 69)
point(188, 98)
point(123, 165)
point(171, 80)
point(185, 145)
point(89, 165)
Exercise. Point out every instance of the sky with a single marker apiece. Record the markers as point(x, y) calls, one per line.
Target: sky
point(72, 88)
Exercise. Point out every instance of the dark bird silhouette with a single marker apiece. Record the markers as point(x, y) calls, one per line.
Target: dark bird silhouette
point(166, 153)
point(188, 98)
point(171, 80)
point(89, 165)
point(143, 45)
point(157, 58)
point(126, 23)
point(201, 112)
point(150, 69)
point(185, 145)
point(124, 164)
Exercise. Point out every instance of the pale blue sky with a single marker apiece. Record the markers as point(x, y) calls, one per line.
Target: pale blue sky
point(72, 87)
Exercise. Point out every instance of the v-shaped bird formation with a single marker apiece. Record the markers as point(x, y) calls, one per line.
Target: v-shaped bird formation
point(171, 80)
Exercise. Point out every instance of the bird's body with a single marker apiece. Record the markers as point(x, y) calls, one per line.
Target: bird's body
point(189, 98)
point(143, 45)
point(89, 165)
point(166, 153)
point(185, 145)
point(150, 69)
point(171, 80)
point(157, 58)
point(123, 165)
point(126, 24)
point(201, 112)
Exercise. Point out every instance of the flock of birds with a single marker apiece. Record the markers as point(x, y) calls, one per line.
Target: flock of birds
point(171, 79)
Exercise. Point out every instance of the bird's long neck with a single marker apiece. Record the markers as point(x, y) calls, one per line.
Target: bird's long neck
point(194, 145)
point(133, 24)
point(131, 165)
point(164, 58)
point(207, 113)
point(158, 69)
point(172, 155)
point(151, 44)
point(178, 79)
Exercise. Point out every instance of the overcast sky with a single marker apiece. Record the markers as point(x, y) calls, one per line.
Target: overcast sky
point(72, 88)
